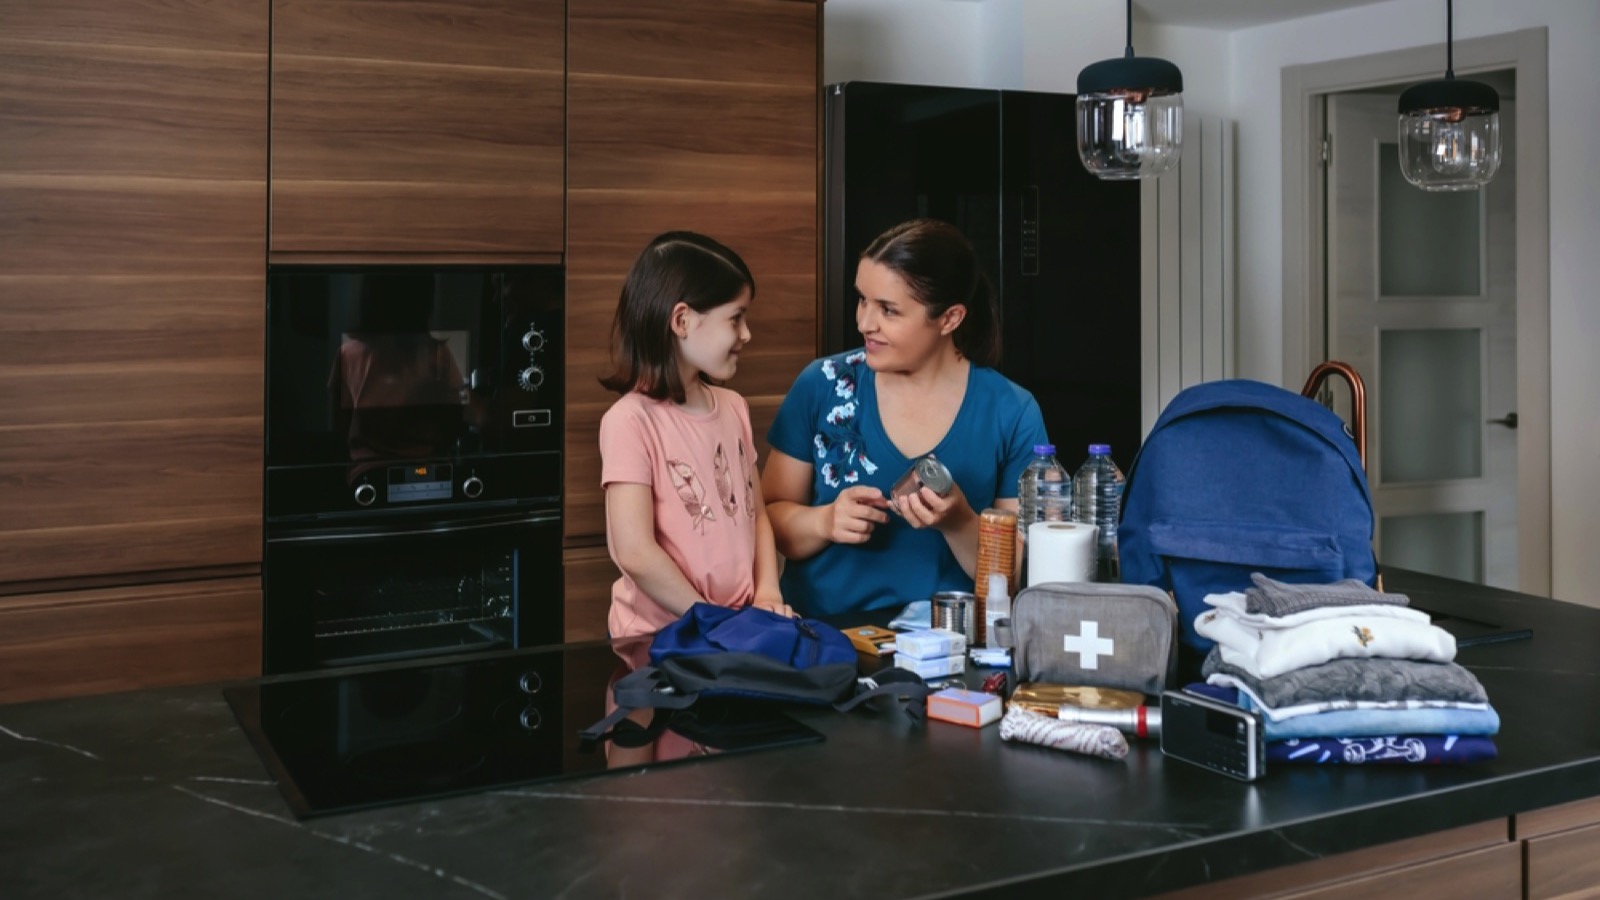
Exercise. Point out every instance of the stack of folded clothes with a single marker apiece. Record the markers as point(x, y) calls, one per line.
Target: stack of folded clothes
point(1342, 673)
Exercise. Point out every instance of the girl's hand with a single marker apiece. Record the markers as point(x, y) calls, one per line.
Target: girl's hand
point(925, 509)
point(773, 604)
point(854, 513)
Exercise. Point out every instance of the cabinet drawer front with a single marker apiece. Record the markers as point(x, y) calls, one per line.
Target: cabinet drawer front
point(1565, 864)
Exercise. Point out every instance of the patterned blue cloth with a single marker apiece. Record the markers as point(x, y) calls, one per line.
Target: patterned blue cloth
point(830, 419)
point(1351, 723)
point(1397, 750)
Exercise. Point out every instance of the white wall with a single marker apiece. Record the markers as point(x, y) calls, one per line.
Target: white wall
point(1034, 45)
point(1257, 57)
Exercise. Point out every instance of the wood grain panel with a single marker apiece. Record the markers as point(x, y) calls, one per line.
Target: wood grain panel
point(629, 134)
point(98, 394)
point(92, 225)
point(1491, 874)
point(668, 130)
point(189, 115)
point(127, 548)
point(1557, 818)
point(589, 574)
point(774, 232)
point(71, 319)
point(1564, 865)
point(728, 41)
point(1454, 844)
point(526, 34)
point(166, 25)
point(434, 126)
point(89, 642)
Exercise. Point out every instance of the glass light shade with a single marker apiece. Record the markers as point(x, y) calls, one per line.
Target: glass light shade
point(1449, 149)
point(1127, 134)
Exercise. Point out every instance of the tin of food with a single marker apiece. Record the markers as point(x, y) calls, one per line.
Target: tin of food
point(926, 471)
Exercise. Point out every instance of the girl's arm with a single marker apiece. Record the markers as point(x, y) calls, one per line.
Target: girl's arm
point(767, 594)
point(801, 530)
point(631, 524)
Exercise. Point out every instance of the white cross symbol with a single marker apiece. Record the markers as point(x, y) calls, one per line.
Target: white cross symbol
point(1089, 645)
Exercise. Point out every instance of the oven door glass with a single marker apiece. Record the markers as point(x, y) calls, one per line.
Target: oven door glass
point(375, 364)
point(411, 587)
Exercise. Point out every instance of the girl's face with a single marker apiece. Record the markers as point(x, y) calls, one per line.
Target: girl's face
point(899, 335)
point(709, 342)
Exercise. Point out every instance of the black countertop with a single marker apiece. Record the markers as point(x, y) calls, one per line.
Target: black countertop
point(158, 793)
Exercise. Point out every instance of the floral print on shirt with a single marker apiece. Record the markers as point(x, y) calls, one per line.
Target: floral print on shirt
point(841, 458)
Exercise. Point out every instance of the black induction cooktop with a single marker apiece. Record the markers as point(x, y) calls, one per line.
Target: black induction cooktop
point(361, 738)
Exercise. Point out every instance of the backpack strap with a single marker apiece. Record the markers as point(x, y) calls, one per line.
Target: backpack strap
point(892, 682)
point(643, 688)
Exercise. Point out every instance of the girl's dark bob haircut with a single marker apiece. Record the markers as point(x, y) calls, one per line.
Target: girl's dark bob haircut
point(675, 266)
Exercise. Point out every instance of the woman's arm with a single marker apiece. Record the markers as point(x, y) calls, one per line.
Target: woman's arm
point(631, 524)
point(801, 530)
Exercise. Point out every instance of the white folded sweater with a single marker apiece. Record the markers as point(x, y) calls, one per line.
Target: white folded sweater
point(1278, 648)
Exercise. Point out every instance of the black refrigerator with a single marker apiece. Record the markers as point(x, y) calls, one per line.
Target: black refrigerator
point(1061, 246)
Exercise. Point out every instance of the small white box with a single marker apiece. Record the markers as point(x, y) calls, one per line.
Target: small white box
point(971, 708)
point(938, 667)
point(930, 643)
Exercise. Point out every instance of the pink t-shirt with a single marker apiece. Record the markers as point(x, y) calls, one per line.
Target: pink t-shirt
point(701, 468)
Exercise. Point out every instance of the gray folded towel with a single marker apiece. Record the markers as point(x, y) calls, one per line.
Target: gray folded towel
point(1274, 598)
point(1376, 679)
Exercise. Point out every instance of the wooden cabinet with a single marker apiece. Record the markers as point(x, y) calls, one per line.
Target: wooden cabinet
point(1561, 850)
point(699, 115)
point(424, 127)
point(132, 229)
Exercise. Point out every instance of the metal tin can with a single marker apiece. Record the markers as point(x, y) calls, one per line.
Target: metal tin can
point(926, 471)
point(956, 611)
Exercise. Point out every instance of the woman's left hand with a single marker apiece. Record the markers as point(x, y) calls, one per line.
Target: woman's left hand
point(925, 509)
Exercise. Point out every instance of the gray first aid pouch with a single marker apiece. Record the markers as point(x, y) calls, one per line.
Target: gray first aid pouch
point(1102, 635)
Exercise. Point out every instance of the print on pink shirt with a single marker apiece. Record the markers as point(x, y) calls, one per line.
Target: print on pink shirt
point(719, 469)
point(691, 493)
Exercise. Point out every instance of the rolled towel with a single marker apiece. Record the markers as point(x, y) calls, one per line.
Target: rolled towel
point(1028, 727)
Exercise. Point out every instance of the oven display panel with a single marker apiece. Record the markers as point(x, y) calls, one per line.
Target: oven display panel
point(414, 484)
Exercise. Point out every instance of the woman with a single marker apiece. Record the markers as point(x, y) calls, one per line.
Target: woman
point(853, 423)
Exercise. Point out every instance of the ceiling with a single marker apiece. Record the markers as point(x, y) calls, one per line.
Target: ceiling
point(1228, 15)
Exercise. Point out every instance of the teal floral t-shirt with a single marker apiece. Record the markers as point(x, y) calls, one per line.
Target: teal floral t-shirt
point(830, 419)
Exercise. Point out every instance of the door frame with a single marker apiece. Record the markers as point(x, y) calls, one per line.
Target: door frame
point(1304, 241)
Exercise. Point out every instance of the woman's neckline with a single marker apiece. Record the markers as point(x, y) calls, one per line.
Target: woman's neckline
point(874, 412)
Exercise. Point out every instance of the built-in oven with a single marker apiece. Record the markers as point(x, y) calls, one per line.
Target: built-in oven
point(413, 482)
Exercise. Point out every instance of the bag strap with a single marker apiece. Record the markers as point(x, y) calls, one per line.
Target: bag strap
point(644, 688)
point(892, 682)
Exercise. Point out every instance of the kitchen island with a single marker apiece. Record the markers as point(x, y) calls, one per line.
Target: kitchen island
point(158, 793)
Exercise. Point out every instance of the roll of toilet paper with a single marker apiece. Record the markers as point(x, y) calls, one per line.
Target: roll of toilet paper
point(1060, 551)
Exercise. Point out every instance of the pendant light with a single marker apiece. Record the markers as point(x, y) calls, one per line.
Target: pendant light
point(1449, 130)
point(1130, 115)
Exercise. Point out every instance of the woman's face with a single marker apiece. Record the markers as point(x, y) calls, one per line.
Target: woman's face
point(899, 335)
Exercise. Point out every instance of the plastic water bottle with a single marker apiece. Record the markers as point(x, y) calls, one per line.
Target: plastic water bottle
point(1097, 501)
point(1044, 494)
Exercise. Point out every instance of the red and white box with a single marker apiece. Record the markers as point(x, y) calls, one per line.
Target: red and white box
point(974, 709)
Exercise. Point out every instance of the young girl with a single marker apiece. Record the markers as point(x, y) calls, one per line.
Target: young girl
point(685, 521)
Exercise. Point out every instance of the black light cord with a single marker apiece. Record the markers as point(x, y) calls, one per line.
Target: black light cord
point(1128, 53)
point(1449, 39)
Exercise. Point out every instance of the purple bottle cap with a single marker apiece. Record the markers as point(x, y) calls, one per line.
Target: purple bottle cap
point(1044, 449)
point(1099, 449)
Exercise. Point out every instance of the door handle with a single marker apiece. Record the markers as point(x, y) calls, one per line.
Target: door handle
point(1510, 421)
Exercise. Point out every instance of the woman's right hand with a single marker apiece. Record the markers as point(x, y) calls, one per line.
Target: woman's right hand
point(855, 513)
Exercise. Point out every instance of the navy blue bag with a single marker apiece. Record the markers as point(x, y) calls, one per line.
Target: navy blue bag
point(1238, 477)
point(751, 654)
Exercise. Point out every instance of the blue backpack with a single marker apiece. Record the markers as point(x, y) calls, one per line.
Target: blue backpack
point(1238, 477)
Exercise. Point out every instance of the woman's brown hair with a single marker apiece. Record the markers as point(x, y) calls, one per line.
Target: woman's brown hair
point(675, 266)
point(940, 267)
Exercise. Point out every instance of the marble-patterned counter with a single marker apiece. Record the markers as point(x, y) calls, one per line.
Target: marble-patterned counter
point(159, 794)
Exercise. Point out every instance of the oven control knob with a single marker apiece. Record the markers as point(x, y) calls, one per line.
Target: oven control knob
point(530, 682)
point(530, 378)
point(472, 487)
point(529, 719)
point(365, 494)
point(533, 341)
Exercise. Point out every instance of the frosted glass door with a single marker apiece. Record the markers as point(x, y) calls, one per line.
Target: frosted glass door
point(1421, 300)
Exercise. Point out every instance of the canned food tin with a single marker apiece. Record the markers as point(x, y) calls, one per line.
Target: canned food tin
point(956, 611)
point(925, 471)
